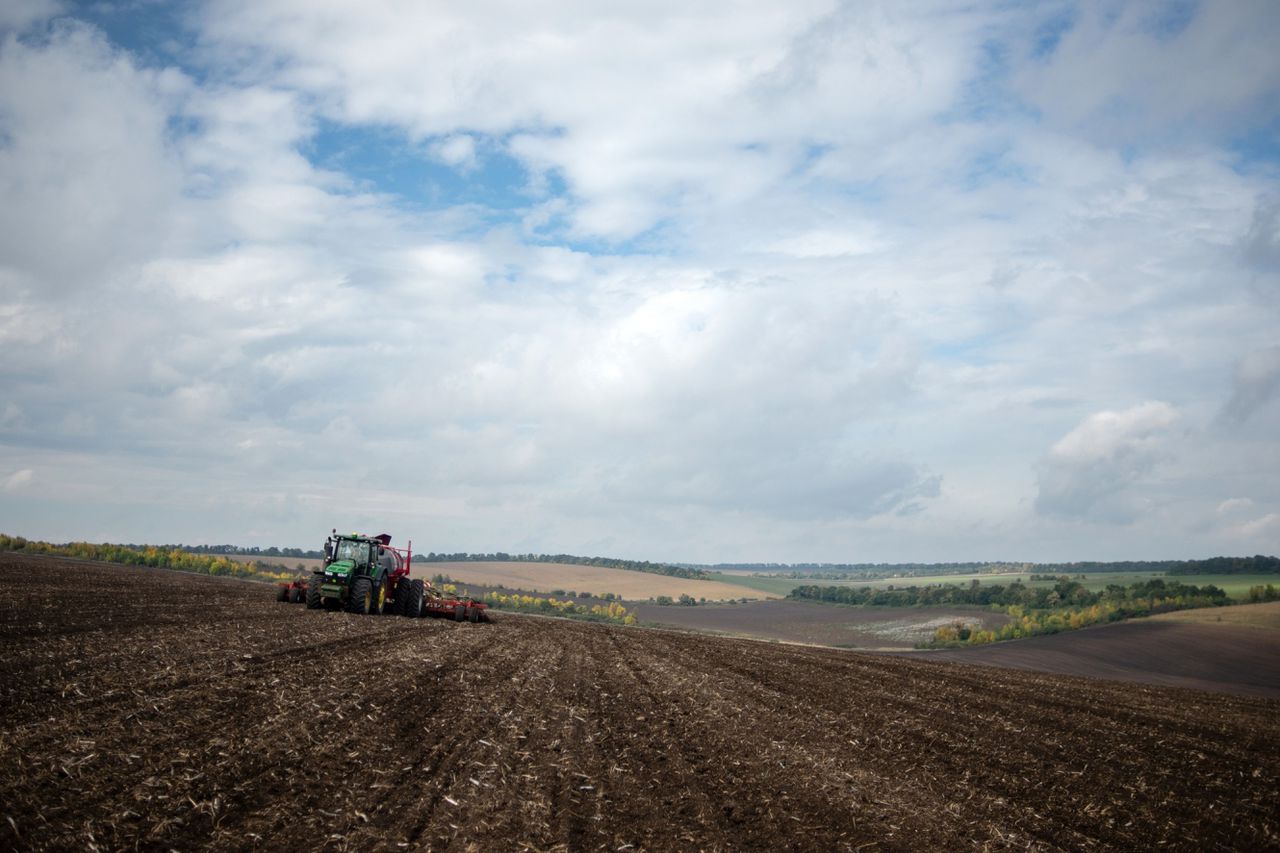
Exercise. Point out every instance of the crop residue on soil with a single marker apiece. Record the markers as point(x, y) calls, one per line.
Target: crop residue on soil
point(153, 709)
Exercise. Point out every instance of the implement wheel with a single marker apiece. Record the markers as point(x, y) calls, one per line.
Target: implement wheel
point(475, 614)
point(361, 600)
point(415, 599)
point(313, 593)
point(404, 598)
point(282, 593)
point(459, 613)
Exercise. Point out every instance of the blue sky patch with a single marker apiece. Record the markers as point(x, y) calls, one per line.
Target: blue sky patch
point(386, 161)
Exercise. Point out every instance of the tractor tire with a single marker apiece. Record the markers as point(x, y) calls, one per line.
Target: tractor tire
point(282, 593)
point(314, 601)
point(362, 600)
point(475, 614)
point(459, 613)
point(415, 599)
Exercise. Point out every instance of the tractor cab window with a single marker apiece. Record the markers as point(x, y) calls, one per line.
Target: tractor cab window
point(356, 552)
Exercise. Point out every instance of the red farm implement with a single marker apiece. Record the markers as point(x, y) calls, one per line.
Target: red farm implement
point(445, 606)
point(294, 592)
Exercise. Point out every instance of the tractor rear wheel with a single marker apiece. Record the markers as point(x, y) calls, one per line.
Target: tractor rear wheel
point(459, 613)
point(313, 593)
point(362, 599)
point(415, 599)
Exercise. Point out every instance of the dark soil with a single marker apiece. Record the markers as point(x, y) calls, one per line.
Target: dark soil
point(156, 710)
point(1224, 658)
point(817, 623)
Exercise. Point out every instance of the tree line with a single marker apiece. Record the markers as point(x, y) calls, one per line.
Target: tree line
point(1258, 564)
point(1065, 592)
point(614, 612)
point(151, 556)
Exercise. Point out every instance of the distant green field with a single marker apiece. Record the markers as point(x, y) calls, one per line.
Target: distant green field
point(761, 583)
point(1236, 586)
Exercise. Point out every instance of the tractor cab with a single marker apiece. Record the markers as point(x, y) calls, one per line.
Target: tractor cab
point(354, 551)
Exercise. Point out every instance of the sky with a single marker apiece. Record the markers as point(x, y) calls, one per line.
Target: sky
point(695, 281)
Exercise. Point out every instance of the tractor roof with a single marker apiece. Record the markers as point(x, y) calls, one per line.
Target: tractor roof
point(381, 538)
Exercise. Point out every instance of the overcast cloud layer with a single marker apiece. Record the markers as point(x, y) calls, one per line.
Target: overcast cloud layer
point(671, 281)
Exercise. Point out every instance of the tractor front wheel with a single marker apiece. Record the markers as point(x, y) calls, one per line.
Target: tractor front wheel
point(313, 593)
point(361, 600)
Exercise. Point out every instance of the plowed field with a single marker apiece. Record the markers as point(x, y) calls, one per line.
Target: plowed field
point(153, 709)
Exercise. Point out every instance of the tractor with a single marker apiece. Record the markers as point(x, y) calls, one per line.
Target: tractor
point(364, 574)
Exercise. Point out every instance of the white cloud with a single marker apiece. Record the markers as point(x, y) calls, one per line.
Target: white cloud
point(88, 176)
point(18, 480)
point(1264, 530)
point(702, 108)
point(1086, 472)
point(1233, 506)
point(458, 151)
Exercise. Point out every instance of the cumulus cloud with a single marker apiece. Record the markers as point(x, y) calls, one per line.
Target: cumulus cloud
point(1086, 473)
point(87, 172)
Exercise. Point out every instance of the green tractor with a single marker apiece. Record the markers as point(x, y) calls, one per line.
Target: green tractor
point(364, 574)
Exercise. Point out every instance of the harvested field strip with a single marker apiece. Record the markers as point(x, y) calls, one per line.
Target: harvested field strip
point(232, 721)
point(546, 577)
point(1263, 615)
